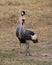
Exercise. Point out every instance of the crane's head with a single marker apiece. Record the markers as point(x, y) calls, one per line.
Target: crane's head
point(22, 17)
point(34, 38)
point(22, 13)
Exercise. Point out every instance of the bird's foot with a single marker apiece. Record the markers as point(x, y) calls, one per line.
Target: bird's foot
point(26, 55)
point(30, 54)
point(21, 52)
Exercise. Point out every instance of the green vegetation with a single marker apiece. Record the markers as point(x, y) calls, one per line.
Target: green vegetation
point(27, 62)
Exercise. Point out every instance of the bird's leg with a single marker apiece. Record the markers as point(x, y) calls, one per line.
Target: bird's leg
point(20, 48)
point(27, 50)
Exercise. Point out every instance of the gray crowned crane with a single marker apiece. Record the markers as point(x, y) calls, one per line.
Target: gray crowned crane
point(25, 35)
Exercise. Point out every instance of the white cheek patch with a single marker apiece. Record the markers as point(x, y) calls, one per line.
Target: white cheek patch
point(34, 37)
point(22, 13)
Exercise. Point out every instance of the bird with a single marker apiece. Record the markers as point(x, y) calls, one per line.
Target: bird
point(25, 35)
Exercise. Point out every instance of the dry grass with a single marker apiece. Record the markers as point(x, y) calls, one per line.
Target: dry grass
point(38, 16)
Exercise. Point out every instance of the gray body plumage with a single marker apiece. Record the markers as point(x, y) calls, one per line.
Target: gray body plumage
point(25, 36)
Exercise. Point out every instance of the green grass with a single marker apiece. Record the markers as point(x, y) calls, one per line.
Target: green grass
point(7, 54)
point(25, 62)
point(12, 56)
